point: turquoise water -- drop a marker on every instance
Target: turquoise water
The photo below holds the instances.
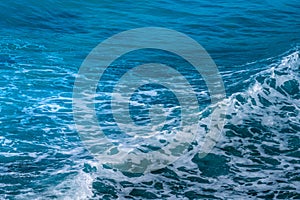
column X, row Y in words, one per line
column 255, row 46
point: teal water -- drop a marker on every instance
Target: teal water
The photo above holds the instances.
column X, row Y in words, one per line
column 255, row 46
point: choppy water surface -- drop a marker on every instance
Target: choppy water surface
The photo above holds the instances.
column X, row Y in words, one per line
column 256, row 47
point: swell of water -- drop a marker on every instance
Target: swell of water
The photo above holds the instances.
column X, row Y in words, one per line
column 259, row 151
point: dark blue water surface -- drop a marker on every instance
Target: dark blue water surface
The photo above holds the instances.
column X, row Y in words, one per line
column 255, row 45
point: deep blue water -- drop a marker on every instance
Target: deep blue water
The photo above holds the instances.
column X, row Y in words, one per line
column 255, row 45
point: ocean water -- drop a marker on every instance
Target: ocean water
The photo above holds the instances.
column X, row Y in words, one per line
column 255, row 45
